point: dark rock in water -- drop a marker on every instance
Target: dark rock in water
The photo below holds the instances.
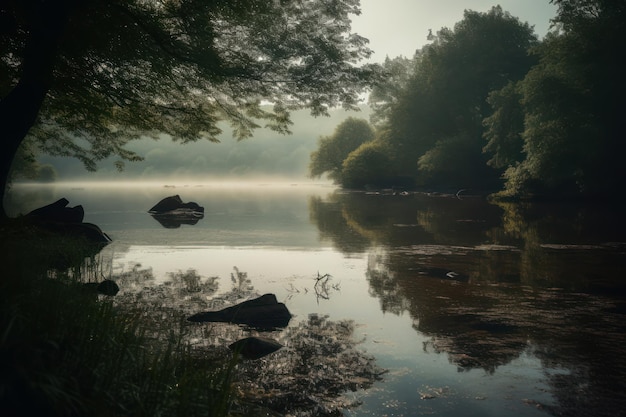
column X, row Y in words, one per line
column 106, row 287
column 264, row 312
column 89, row 231
column 169, row 204
column 176, row 218
column 57, row 212
column 67, row 221
column 255, row 347
column 171, row 212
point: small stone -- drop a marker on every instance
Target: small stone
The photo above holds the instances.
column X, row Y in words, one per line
column 255, row 347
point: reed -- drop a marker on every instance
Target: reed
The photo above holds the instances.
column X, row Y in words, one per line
column 65, row 351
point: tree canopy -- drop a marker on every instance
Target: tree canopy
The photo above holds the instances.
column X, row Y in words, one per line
column 487, row 105
column 385, row 94
column 82, row 78
column 437, row 122
column 334, row 149
column 572, row 104
column 429, row 112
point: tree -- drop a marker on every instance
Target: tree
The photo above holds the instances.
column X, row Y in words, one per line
column 334, row 149
column 573, row 106
column 457, row 162
column 83, row 78
column 385, row 93
column 504, row 127
column 445, row 102
column 369, row 164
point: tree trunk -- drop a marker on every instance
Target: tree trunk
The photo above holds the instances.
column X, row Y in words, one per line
column 20, row 108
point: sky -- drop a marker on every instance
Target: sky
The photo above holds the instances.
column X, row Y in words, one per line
column 399, row 27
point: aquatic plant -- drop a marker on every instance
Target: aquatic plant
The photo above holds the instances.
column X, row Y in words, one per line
column 320, row 362
column 67, row 351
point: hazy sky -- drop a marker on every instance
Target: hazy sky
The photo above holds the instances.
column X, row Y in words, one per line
column 399, row 27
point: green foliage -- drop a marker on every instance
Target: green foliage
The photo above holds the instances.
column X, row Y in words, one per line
column 503, row 128
column 127, row 68
column 445, row 101
column 455, row 162
column 430, row 110
column 385, row 93
column 573, row 107
column 334, row 149
column 46, row 173
column 26, row 166
column 369, row 164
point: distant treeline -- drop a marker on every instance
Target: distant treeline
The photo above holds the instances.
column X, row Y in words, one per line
column 488, row 106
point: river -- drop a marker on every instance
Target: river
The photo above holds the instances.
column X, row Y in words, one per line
column 463, row 307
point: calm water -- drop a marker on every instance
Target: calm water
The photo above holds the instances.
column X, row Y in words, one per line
column 474, row 309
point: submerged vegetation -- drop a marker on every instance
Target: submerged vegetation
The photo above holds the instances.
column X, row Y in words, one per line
column 67, row 351
column 319, row 363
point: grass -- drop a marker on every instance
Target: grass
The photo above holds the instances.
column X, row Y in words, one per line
column 65, row 351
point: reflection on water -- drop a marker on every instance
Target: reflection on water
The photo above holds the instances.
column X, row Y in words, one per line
column 488, row 284
column 473, row 308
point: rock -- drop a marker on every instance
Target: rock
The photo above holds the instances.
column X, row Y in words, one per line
column 89, row 231
column 106, row 287
column 264, row 312
column 57, row 212
column 255, row 347
column 68, row 221
column 171, row 212
column 170, row 204
column 176, row 218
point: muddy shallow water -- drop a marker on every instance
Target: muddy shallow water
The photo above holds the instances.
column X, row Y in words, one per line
column 430, row 305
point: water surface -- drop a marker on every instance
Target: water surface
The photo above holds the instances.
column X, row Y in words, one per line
column 474, row 309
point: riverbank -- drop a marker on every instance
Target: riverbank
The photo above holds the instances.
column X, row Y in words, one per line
column 67, row 351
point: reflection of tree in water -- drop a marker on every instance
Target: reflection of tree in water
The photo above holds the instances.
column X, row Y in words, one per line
column 579, row 338
column 541, row 279
column 569, row 246
column 328, row 217
column 320, row 360
column 441, row 310
column 356, row 221
column 383, row 285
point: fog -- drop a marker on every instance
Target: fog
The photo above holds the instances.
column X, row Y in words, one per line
column 267, row 156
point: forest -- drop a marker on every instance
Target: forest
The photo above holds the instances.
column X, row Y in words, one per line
column 487, row 106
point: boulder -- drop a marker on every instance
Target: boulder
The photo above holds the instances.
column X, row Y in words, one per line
column 88, row 231
column 264, row 312
column 255, row 347
column 175, row 204
column 172, row 212
column 58, row 212
column 106, row 287
column 176, row 218
column 68, row 221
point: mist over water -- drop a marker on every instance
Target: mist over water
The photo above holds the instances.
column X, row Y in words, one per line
column 265, row 156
